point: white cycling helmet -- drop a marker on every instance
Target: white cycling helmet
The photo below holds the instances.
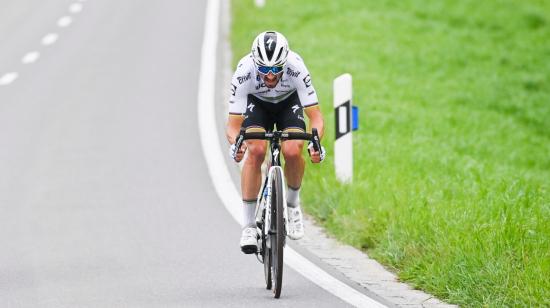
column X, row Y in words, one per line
column 270, row 48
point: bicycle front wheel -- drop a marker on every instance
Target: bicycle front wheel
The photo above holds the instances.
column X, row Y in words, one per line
column 277, row 231
column 266, row 255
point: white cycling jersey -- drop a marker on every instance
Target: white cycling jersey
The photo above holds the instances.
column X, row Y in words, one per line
column 246, row 80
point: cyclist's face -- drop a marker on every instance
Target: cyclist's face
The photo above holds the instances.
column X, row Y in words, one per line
column 271, row 79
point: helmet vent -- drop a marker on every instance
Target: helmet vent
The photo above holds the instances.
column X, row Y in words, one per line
column 279, row 54
column 270, row 42
column 260, row 53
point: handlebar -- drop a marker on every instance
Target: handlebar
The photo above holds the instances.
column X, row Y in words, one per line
column 278, row 135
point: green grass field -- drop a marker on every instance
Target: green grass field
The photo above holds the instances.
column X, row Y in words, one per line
column 452, row 158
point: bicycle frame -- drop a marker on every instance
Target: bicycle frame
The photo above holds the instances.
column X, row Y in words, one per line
column 265, row 192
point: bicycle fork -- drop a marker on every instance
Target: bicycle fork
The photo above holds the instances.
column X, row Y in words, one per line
column 263, row 207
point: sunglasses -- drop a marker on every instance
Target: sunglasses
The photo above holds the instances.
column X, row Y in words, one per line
column 266, row 69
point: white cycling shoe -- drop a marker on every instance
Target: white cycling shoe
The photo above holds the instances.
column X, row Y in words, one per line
column 249, row 240
column 295, row 223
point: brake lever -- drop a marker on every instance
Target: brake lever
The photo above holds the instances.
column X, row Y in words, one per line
column 239, row 141
column 315, row 140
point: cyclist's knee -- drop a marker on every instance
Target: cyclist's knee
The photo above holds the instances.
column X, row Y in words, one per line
column 256, row 150
column 292, row 150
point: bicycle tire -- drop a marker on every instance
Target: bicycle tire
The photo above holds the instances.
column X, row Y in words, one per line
column 266, row 255
column 278, row 234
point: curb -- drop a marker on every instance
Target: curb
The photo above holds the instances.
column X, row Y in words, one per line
column 366, row 272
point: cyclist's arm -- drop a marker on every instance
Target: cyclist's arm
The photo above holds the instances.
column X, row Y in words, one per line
column 233, row 127
column 316, row 119
column 306, row 92
column 240, row 84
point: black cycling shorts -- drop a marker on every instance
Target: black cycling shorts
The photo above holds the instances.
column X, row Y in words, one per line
column 287, row 114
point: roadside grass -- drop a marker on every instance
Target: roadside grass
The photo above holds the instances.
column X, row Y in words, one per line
column 452, row 158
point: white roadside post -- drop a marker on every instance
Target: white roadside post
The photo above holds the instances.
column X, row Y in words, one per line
column 343, row 150
column 260, row 3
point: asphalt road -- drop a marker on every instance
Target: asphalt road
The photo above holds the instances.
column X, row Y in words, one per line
column 104, row 196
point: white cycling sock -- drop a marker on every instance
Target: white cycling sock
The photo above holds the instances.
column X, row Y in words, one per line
column 293, row 197
column 249, row 213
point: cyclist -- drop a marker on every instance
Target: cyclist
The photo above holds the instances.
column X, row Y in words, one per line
column 272, row 86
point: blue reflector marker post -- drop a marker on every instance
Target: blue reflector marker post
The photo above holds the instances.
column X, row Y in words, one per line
column 354, row 118
column 343, row 151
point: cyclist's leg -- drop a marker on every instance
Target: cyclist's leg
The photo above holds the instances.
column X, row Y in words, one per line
column 257, row 118
column 294, row 162
column 251, row 171
column 291, row 118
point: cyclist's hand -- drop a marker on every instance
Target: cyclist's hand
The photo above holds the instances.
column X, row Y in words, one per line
column 316, row 156
column 237, row 155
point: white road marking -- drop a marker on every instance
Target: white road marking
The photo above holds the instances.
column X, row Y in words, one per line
column 49, row 39
column 220, row 174
column 64, row 21
column 30, row 57
column 208, row 134
column 8, row 78
column 75, row 8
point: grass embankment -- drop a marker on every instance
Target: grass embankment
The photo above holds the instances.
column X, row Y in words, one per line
column 452, row 159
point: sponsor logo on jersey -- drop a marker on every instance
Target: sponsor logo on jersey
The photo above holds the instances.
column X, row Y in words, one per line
column 292, row 73
column 295, row 108
column 301, row 118
column 233, row 89
column 244, row 78
column 250, row 107
column 307, row 81
column 283, row 83
column 311, row 93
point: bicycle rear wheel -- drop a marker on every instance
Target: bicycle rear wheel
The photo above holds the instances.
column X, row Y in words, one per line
column 277, row 232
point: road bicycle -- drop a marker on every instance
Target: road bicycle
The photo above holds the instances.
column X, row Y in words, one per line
column 271, row 209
